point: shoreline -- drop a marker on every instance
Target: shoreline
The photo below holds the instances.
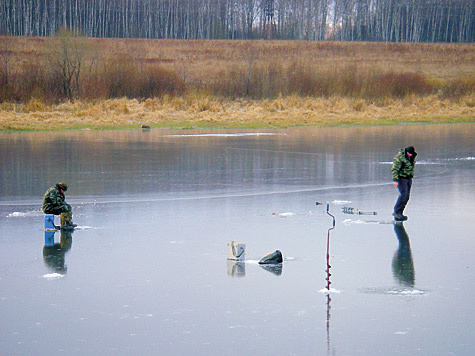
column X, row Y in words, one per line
column 218, row 126
column 217, row 113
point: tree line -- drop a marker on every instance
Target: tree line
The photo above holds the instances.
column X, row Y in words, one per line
column 315, row 20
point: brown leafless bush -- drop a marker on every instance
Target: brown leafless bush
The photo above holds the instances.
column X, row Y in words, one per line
column 242, row 69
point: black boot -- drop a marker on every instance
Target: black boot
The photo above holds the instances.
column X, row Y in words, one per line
column 399, row 217
column 66, row 221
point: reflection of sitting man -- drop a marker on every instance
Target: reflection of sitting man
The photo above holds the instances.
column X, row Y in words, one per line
column 403, row 266
column 54, row 203
column 54, row 254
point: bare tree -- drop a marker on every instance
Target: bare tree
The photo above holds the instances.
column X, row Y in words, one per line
column 69, row 56
column 376, row 20
column 6, row 50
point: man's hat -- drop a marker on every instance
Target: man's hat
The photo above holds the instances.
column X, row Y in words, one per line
column 63, row 186
column 411, row 150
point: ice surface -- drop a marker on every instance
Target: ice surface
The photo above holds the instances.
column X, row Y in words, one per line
column 155, row 214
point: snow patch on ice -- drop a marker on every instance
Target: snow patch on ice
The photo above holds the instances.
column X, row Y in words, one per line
column 252, row 262
column 462, row 159
column 341, row 202
column 406, row 292
column 284, row 215
column 329, row 291
column 417, row 162
column 351, row 222
column 394, row 291
column 436, row 162
column 428, row 163
column 21, row 214
column 53, row 276
column 83, row 227
column 227, row 134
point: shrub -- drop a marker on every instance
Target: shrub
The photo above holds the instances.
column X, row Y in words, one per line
column 400, row 85
column 123, row 77
column 458, row 87
column 155, row 81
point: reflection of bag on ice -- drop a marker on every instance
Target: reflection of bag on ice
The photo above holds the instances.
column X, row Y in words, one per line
column 236, row 268
column 235, row 251
column 272, row 258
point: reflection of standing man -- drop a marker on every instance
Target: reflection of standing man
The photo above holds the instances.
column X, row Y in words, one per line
column 54, row 202
column 402, row 173
column 403, row 265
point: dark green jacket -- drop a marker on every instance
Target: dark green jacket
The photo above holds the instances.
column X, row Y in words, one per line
column 402, row 166
column 53, row 198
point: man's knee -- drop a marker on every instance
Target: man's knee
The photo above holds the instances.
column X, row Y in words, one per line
column 66, row 208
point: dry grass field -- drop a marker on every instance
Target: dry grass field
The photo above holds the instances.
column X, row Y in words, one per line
column 242, row 84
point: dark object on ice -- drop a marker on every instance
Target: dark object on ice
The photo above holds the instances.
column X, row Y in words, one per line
column 54, row 202
column 350, row 210
column 328, row 248
column 402, row 172
column 272, row 258
column 145, row 127
column 317, row 203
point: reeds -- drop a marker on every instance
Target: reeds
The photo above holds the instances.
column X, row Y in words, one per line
column 202, row 110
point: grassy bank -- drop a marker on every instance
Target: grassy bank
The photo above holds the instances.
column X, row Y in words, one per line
column 195, row 111
column 176, row 83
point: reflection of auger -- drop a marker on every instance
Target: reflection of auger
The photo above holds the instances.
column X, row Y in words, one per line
column 328, row 249
column 328, row 278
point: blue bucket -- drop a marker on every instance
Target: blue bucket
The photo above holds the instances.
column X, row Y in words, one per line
column 49, row 238
column 49, row 222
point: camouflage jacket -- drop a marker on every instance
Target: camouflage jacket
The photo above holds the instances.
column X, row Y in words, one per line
column 402, row 166
column 53, row 198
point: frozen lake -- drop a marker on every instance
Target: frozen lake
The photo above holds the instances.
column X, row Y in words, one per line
column 146, row 272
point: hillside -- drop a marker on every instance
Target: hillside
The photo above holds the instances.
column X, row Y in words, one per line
column 125, row 82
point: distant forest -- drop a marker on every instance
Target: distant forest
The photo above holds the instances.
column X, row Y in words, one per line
column 315, row 20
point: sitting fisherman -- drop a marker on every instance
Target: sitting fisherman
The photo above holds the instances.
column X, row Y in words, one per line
column 54, row 203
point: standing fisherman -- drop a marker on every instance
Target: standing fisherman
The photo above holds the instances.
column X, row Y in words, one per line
column 54, row 203
column 402, row 172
